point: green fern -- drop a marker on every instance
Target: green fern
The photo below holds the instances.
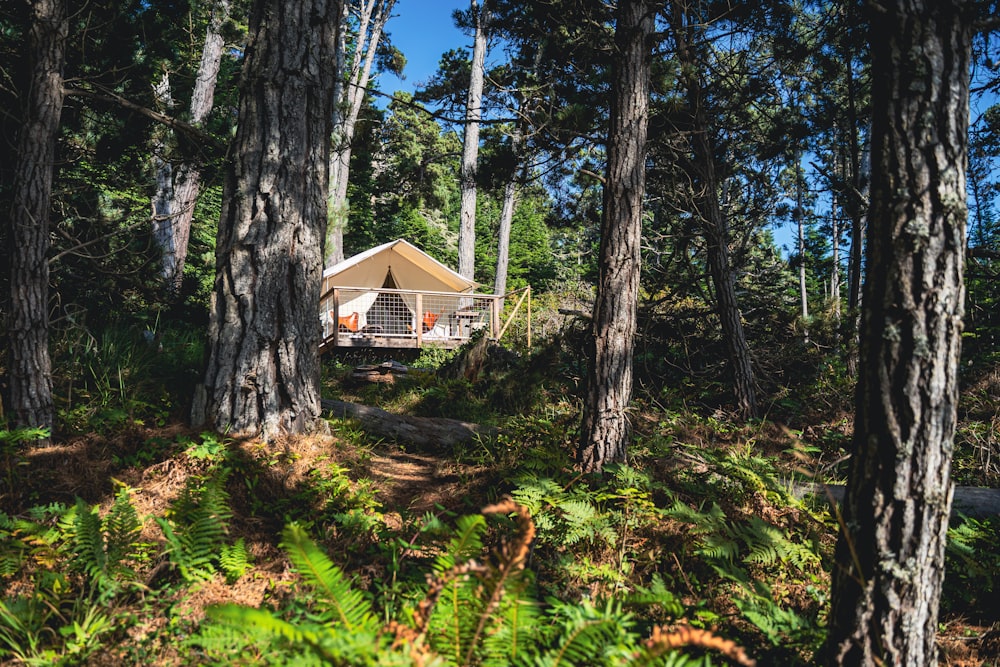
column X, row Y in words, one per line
column 234, row 560
column 759, row 542
column 197, row 525
column 583, row 634
column 121, row 529
column 345, row 605
column 567, row 516
column 465, row 543
column 656, row 595
column 103, row 548
column 973, row 562
column 341, row 627
column 88, row 545
column 478, row 609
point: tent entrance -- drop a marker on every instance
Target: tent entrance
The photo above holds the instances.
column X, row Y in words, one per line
column 389, row 315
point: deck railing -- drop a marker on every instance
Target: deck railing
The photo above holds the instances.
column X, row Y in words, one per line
column 383, row 317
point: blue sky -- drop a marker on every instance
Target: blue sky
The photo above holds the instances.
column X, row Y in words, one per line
column 422, row 30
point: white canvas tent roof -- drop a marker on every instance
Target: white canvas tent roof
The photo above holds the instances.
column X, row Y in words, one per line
column 411, row 267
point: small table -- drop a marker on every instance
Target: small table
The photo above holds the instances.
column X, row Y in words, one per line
column 466, row 318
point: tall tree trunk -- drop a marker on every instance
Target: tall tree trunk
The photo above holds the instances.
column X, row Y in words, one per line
column 163, row 180
column 503, row 234
column 720, row 268
column 889, row 566
column 605, row 431
column 714, row 224
column 264, row 334
column 30, row 365
column 470, row 145
column 373, row 15
column 835, row 260
column 856, row 207
column 507, row 220
column 800, row 225
column 177, row 190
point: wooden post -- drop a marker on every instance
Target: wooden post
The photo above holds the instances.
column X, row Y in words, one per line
column 336, row 317
column 419, row 320
column 529, row 317
column 494, row 317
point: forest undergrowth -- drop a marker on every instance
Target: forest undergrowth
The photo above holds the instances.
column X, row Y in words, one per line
column 132, row 539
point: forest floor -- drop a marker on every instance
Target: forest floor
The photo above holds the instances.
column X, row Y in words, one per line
column 403, row 483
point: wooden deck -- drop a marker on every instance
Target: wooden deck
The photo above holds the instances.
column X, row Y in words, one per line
column 360, row 340
column 394, row 318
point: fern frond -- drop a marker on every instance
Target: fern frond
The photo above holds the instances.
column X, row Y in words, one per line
column 349, row 606
column 657, row 594
column 660, row 642
column 586, row 634
column 88, row 546
column 258, row 623
column 234, row 559
column 465, row 544
column 516, row 635
column 511, row 561
column 121, row 527
column 197, row 526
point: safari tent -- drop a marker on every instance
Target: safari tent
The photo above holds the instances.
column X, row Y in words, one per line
column 396, row 295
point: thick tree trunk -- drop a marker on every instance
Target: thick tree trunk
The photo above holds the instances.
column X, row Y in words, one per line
column 889, row 566
column 163, row 180
column 373, row 15
column 605, row 431
column 263, row 370
column 470, row 146
column 30, row 366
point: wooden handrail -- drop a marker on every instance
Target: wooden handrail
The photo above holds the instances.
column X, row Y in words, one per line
column 526, row 293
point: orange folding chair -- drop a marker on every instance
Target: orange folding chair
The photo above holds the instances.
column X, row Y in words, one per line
column 348, row 322
column 429, row 320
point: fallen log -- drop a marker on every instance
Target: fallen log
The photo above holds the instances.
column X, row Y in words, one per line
column 971, row 501
column 429, row 433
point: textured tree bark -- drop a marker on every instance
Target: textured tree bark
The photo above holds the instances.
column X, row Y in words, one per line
column 470, row 146
column 889, row 562
column 263, row 370
column 30, row 365
column 605, row 430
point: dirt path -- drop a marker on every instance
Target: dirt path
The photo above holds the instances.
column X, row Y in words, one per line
column 419, row 482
